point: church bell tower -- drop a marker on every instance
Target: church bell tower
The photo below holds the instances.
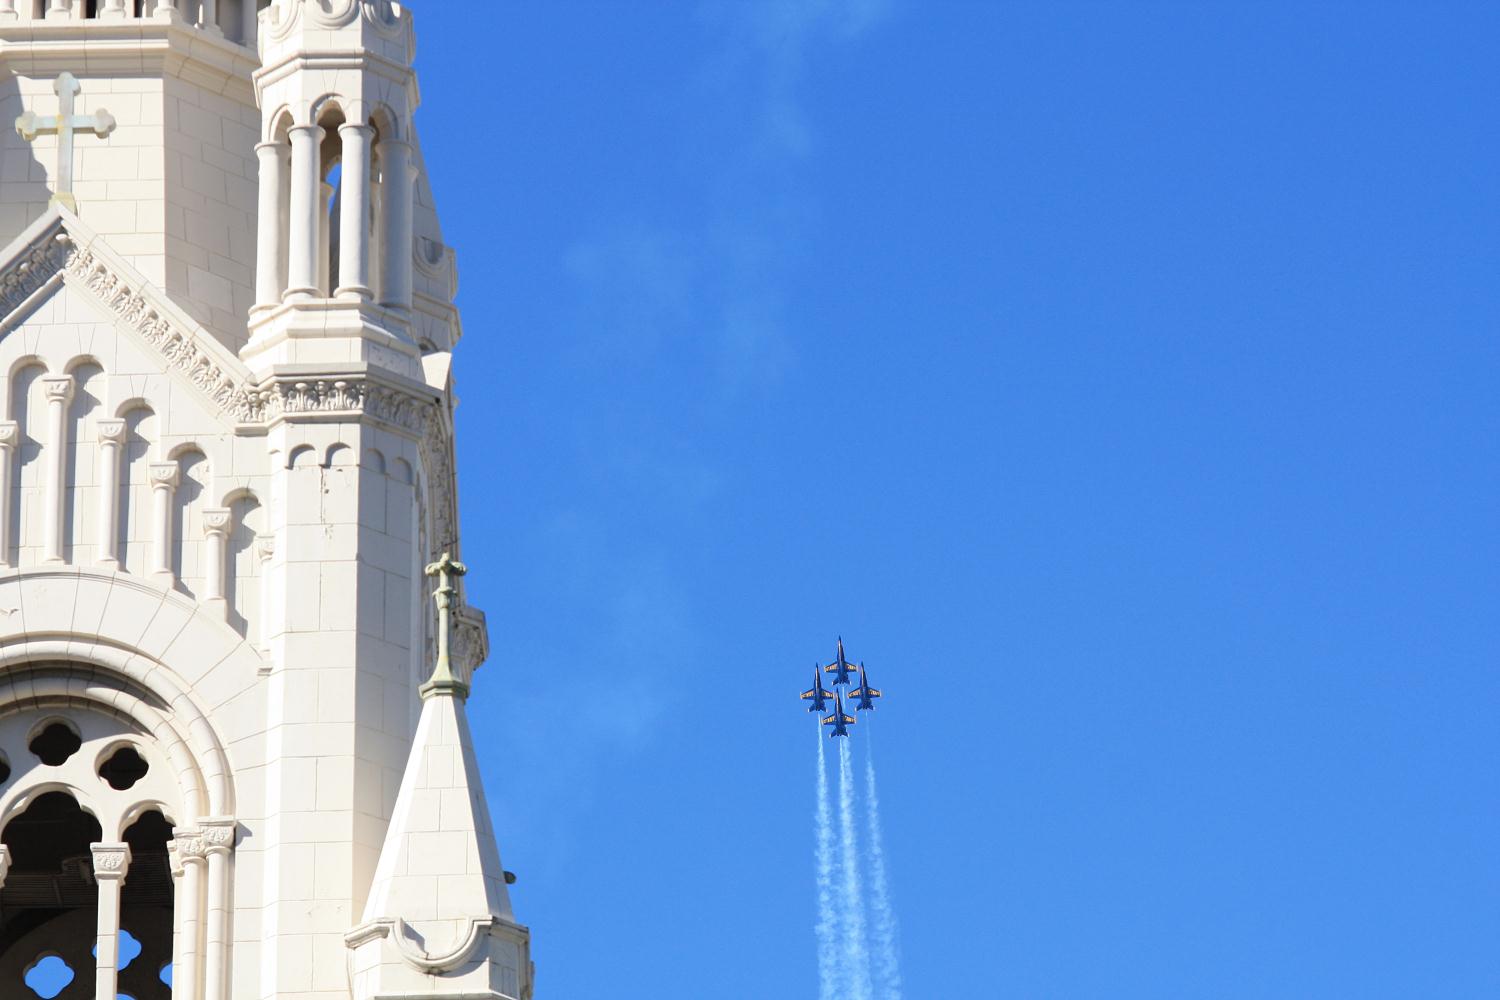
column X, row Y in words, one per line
column 235, row 760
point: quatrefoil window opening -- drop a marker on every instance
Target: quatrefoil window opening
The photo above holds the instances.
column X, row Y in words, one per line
column 123, row 767
column 48, row 976
column 56, row 742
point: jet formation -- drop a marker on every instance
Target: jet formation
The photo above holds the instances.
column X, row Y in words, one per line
column 844, row 674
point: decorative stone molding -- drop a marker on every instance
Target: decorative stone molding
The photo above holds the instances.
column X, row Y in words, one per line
column 180, row 347
column 32, row 270
column 286, row 15
column 356, row 396
column 4, row 864
column 218, row 834
column 10, row 434
column 164, row 475
column 187, row 846
column 111, row 861
column 58, row 388
column 216, row 521
column 110, row 431
column 410, row 947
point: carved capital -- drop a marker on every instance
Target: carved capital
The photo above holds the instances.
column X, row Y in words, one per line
column 216, row 521
column 111, row 862
column 265, row 547
column 110, row 431
column 187, row 846
column 10, row 433
column 164, row 475
column 218, row 834
column 58, row 388
column 4, row 863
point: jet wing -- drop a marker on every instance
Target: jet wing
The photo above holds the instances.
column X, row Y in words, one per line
column 850, row 720
column 863, row 693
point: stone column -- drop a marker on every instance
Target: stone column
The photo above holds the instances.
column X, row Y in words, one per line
column 8, row 10
column 398, row 182
column 268, row 260
column 164, row 476
column 166, row 10
column 113, row 10
column 250, row 34
column 187, row 848
column 111, row 861
column 111, row 440
column 208, row 17
column 302, row 247
column 218, row 842
column 59, row 10
column 216, row 525
column 10, row 437
column 354, row 217
column 58, row 390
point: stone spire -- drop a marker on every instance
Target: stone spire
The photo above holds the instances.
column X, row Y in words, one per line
column 438, row 921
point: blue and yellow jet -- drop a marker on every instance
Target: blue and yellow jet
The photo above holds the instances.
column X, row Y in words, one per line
column 818, row 693
column 840, row 667
column 838, row 720
column 864, row 695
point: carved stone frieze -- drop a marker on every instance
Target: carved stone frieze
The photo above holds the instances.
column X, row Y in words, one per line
column 179, row 347
column 31, row 271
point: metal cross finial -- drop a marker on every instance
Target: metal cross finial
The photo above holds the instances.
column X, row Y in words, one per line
column 30, row 125
column 443, row 680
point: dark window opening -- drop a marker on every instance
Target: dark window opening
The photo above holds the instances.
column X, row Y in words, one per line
column 55, row 744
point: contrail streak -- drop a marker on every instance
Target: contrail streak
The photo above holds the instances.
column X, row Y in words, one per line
column 885, row 932
column 826, row 927
column 857, row 953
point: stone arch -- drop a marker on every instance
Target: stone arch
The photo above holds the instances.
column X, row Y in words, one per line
column 82, row 636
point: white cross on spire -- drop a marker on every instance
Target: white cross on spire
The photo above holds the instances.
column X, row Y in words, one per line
column 64, row 124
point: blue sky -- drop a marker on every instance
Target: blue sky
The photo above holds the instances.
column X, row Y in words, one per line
column 1118, row 379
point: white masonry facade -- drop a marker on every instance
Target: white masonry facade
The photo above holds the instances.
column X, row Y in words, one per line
column 234, row 756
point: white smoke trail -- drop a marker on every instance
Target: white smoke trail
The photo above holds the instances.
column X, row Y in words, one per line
column 826, row 928
column 886, row 931
column 856, row 951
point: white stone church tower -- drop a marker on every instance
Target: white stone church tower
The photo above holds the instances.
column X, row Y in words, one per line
column 233, row 748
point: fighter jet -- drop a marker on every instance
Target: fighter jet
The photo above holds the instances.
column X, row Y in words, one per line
column 840, row 667
column 838, row 720
column 818, row 693
column 864, row 694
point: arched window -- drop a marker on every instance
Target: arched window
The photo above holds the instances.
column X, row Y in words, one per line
column 86, row 803
column 188, row 500
column 80, row 499
column 134, row 531
column 28, row 408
